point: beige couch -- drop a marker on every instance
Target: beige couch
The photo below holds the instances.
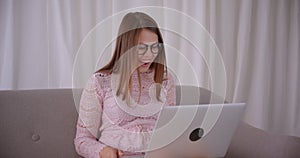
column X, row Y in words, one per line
column 41, row 123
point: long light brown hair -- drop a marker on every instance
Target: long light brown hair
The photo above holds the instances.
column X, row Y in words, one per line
column 128, row 36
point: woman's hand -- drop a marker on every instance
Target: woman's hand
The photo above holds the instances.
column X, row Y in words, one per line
column 109, row 152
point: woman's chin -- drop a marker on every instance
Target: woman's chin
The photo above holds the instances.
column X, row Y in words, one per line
column 143, row 69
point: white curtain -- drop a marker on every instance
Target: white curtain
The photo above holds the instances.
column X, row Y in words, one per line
column 258, row 41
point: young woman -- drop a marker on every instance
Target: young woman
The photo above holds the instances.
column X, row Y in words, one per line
column 118, row 106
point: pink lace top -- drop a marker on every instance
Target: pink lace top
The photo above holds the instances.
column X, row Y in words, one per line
column 103, row 122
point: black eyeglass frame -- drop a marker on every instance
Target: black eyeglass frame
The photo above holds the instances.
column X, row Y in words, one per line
column 159, row 45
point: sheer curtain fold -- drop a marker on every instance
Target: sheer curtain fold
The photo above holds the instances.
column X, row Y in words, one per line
column 267, row 86
column 22, row 49
column 258, row 40
column 6, row 44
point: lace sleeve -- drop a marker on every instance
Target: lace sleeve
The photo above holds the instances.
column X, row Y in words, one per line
column 90, row 113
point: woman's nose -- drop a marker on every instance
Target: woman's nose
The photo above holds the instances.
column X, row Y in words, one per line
column 148, row 53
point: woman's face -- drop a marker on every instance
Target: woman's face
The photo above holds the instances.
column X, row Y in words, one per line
column 148, row 49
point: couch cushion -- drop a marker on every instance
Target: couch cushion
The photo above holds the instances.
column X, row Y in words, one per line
column 249, row 142
column 37, row 123
column 186, row 95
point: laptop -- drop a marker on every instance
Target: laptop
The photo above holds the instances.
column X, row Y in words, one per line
column 194, row 131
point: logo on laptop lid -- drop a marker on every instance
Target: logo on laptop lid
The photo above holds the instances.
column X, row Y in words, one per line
column 196, row 134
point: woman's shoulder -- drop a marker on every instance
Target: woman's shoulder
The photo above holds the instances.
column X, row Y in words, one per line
column 99, row 80
column 102, row 75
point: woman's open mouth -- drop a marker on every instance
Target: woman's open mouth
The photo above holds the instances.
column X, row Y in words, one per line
column 145, row 64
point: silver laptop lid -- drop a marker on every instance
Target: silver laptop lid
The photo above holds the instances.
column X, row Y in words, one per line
column 195, row 130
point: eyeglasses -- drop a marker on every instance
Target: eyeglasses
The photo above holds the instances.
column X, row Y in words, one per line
column 155, row 48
